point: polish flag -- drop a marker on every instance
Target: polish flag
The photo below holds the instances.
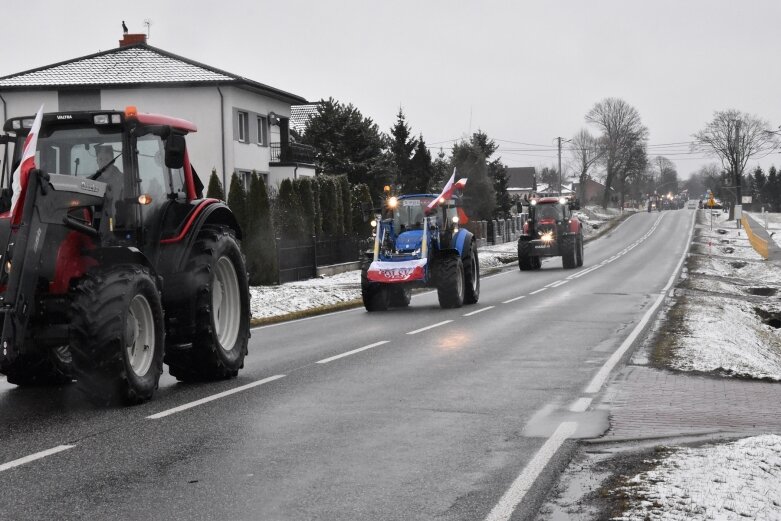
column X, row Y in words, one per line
column 21, row 173
column 447, row 191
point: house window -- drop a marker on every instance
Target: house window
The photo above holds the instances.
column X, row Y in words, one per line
column 243, row 130
column 262, row 131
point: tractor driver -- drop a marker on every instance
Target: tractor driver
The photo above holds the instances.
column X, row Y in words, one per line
column 109, row 173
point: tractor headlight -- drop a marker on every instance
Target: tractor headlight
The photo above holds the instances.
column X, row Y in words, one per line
column 547, row 237
column 534, row 202
column 7, row 266
column 392, row 202
column 563, row 200
column 455, row 219
column 373, row 223
column 100, row 119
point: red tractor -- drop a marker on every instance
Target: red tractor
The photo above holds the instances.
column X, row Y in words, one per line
column 113, row 261
column 550, row 231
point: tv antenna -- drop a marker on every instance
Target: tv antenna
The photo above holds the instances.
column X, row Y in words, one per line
column 148, row 23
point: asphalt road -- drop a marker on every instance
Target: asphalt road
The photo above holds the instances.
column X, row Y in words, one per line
column 435, row 418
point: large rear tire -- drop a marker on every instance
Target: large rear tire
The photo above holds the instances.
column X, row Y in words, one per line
column 117, row 334
column 450, row 282
column 51, row 367
column 580, row 251
column 525, row 261
column 222, row 312
column 375, row 295
column 471, row 275
column 569, row 251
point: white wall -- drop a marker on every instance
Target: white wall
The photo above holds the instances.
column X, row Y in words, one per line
column 279, row 173
column 27, row 103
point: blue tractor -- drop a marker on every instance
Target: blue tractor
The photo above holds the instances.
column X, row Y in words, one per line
column 419, row 242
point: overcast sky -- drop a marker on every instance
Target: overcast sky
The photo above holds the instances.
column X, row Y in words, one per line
column 523, row 72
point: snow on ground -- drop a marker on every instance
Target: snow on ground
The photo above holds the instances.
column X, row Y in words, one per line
column 737, row 480
column 594, row 218
column 722, row 330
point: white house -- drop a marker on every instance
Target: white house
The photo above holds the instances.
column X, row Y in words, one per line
column 242, row 124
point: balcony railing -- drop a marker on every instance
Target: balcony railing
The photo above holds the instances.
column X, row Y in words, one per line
column 292, row 153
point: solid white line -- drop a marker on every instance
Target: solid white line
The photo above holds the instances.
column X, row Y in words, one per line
column 479, row 311
column 33, row 457
column 429, row 327
column 537, row 291
column 348, row 353
column 601, row 377
column 514, row 495
column 514, row 299
column 213, row 397
column 294, row 321
column 580, row 405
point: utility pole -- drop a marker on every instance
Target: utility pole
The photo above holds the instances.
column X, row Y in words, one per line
column 559, row 140
column 739, row 195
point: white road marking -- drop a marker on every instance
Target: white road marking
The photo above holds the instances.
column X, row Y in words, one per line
column 479, row 311
column 514, row 299
column 33, row 457
column 514, row 495
column 348, row 353
column 580, row 405
column 601, row 377
column 432, row 326
column 537, row 291
column 552, row 284
column 213, row 397
column 559, row 283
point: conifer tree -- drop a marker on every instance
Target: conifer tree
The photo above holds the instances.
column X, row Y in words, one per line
column 421, row 169
column 237, row 201
column 362, row 210
column 259, row 245
column 328, row 207
column 291, row 224
column 347, row 205
column 401, row 148
column 303, row 187
column 215, row 187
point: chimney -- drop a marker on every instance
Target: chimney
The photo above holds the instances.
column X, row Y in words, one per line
column 132, row 39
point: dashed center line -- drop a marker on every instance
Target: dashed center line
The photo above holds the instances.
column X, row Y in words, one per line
column 33, row 457
column 213, row 397
column 537, row 291
column 432, row 326
column 558, row 283
column 348, row 353
column 514, row 299
column 580, row 405
column 552, row 284
column 478, row 311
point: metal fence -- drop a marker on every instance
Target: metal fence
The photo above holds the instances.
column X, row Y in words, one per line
column 299, row 259
column 292, row 153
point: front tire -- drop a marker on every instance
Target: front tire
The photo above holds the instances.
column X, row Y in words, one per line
column 117, row 334
column 450, row 282
column 525, row 261
column 580, row 251
column 374, row 295
column 569, row 252
column 471, row 275
column 400, row 296
column 51, row 367
column 221, row 294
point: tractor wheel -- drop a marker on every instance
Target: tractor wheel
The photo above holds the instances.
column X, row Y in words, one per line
column 375, row 295
column 525, row 261
column 399, row 296
column 471, row 275
column 450, row 282
column 222, row 312
column 580, row 251
column 51, row 367
column 569, row 251
column 536, row 263
column 117, row 334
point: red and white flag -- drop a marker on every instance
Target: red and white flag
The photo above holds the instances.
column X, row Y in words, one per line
column 447, row 191
column 449, row 183
column 19, row 184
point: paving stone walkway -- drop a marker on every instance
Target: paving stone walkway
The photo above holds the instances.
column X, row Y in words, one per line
column 650, row 403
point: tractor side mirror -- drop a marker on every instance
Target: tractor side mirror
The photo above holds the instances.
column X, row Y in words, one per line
column 174, row 151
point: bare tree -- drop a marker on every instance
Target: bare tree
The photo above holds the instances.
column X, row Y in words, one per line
column 735, row 137
column 585, row 150
column 666, row 174
column 622, row 130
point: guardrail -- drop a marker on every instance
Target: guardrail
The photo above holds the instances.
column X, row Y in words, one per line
column 759, row 244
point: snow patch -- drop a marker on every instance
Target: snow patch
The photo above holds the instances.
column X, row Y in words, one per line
column 737, row 480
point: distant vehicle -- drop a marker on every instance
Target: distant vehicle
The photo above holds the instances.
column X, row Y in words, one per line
column 551, row 231
column 692, row 204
